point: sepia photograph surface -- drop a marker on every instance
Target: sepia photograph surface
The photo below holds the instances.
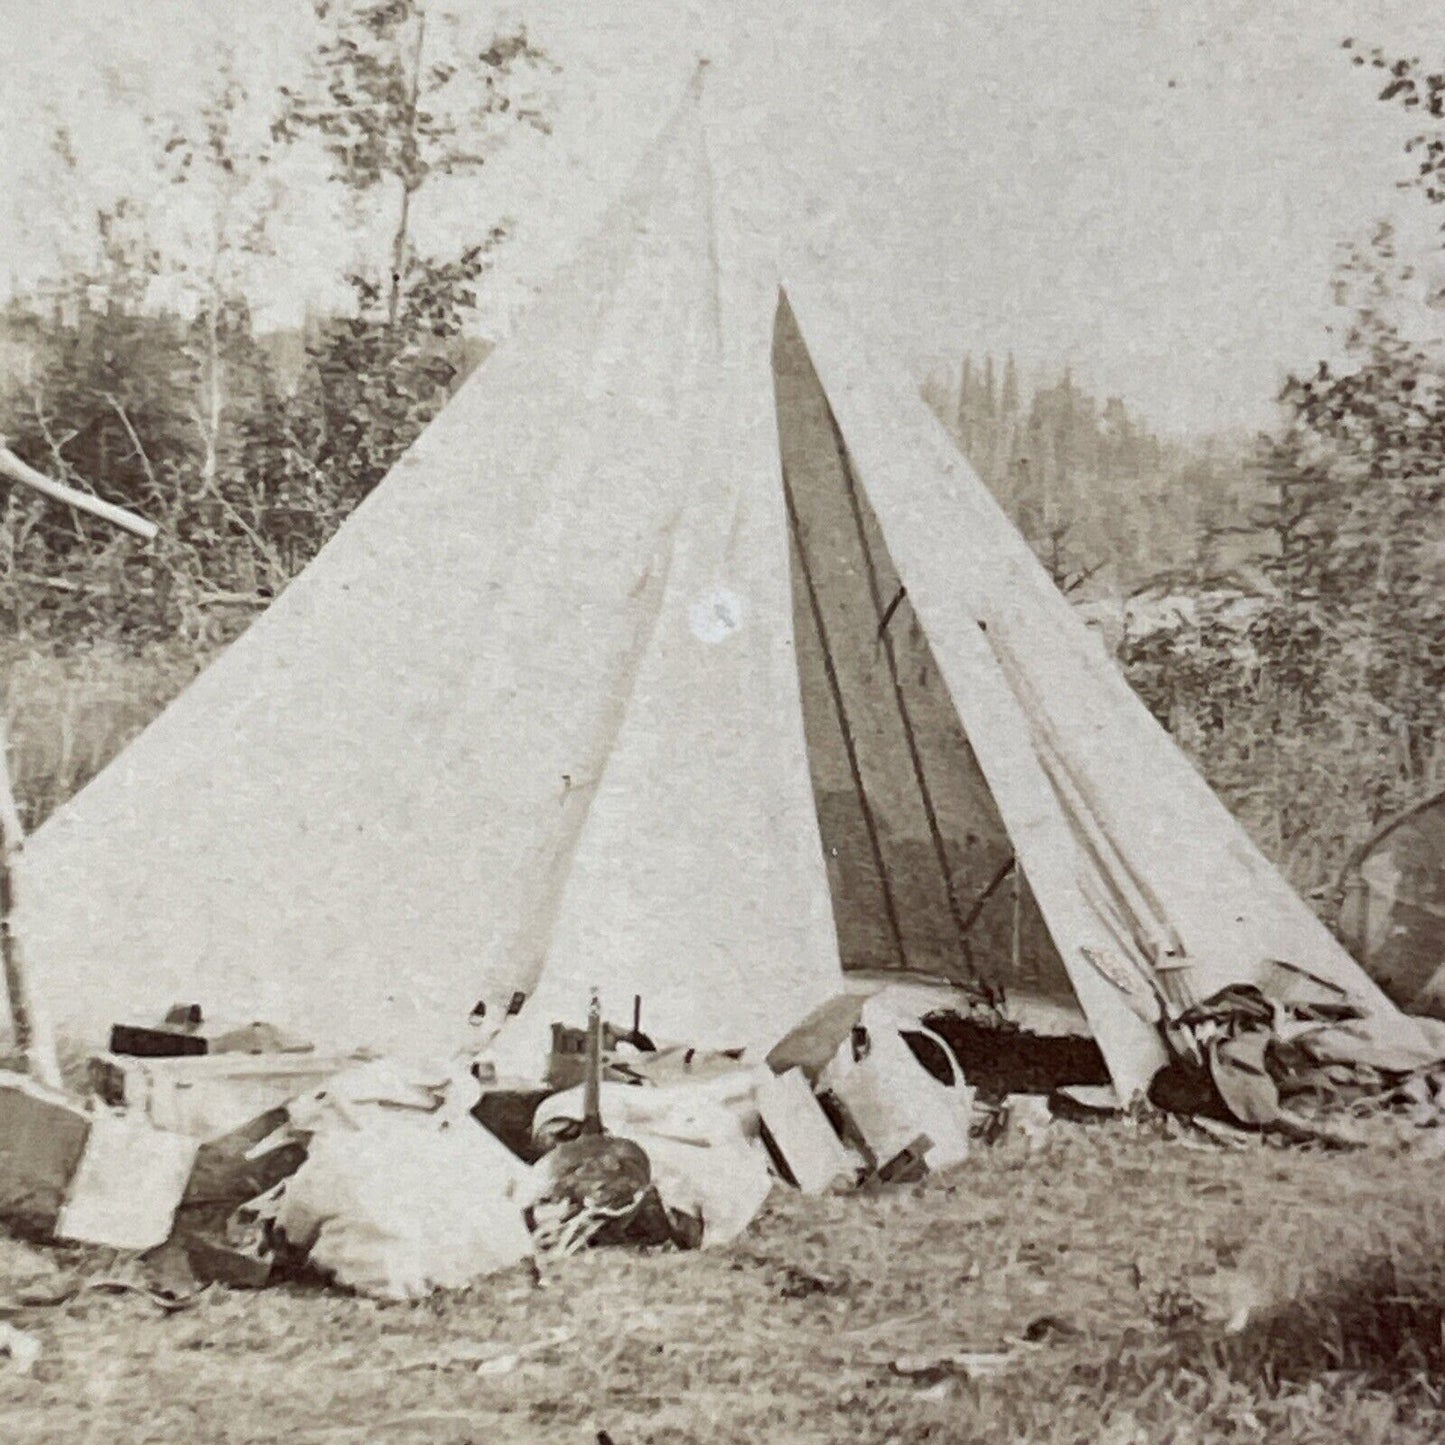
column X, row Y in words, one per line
column 722, row 722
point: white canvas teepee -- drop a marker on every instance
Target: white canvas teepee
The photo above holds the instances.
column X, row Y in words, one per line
column 673, row 662
column 1150, row 894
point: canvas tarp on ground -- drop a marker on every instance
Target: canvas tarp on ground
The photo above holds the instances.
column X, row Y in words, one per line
column 673, row 662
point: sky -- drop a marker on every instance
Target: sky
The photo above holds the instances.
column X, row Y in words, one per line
column 1152, row 192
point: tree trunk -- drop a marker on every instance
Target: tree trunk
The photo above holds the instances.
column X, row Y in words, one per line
column 211, row 430
column 34, row 1036
column 409, row 177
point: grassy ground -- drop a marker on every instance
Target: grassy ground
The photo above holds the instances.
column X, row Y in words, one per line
column 1121, row 1252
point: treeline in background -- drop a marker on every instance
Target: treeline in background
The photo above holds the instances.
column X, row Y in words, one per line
column 1279, row 603
column 1110, row 509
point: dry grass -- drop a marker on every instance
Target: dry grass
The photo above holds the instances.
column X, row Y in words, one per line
column 789, row 1334
column 67, row 716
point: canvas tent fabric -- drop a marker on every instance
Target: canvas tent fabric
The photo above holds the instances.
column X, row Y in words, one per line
column 366, row 816
column 1150, row 890
column 682, row 657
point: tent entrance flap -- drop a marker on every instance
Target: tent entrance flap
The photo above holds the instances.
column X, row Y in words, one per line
column 919, row 861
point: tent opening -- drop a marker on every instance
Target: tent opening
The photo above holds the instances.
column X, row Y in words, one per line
column 920, row 866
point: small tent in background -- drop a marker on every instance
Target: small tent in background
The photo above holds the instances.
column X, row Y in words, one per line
column 1394, row 907
column 682, row 657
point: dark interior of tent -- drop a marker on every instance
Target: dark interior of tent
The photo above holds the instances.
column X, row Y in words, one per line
column 921, row 870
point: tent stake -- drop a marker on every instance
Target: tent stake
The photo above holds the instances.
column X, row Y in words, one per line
column 34, row 1036
column 592, row 1083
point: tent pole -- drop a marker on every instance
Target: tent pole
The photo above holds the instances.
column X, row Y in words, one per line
column 18, row 471
column 835, row 687
column 1002, row 872
column 910, row 736
column 34, row 1036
